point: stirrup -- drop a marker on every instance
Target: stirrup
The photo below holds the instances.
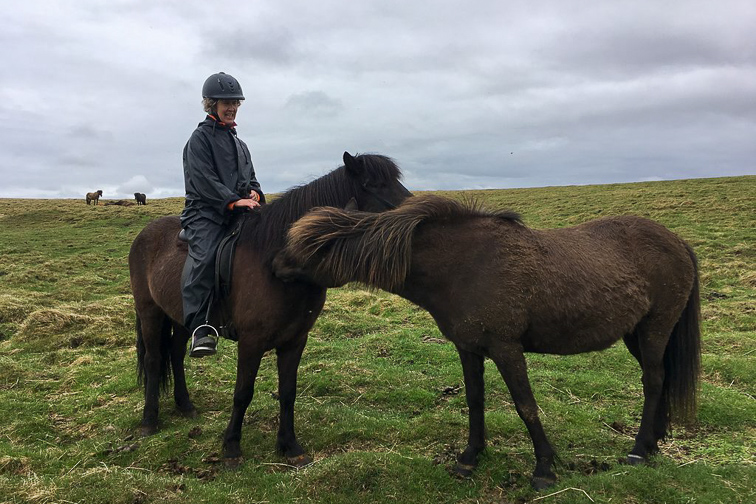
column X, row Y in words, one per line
column 194, row 333
column 208, row 346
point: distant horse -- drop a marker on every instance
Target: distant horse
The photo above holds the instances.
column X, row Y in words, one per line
column 266, row 312
column 94, row 196
column 140, row 198
column 497, row 288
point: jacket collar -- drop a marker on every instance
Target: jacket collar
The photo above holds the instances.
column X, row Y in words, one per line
column 220, row 123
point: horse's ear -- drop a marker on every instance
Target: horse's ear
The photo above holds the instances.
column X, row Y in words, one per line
column 352, row 164
column 352, row 205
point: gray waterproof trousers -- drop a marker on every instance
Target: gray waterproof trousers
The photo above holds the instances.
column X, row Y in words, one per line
column 198, row 277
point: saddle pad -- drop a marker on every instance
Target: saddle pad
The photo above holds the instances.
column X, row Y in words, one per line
column 224, row 260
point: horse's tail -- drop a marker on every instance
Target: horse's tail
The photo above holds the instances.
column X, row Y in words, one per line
column 682, row 357
column 165, row 354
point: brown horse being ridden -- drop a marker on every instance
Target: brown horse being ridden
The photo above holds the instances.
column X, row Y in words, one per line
column 266, row 312
column 94, row 196
column 497, row 289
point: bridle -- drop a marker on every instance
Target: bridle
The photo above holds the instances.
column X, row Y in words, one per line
column 374, row 193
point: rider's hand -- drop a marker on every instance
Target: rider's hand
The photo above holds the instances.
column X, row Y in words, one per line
column 246, row 203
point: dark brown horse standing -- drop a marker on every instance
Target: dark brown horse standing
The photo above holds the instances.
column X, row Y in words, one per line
column 267, row 312
column 497, row 289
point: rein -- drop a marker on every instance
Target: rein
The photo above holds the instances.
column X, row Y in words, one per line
column 374, row 193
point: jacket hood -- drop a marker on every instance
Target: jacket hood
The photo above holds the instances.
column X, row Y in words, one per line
column 214, row 123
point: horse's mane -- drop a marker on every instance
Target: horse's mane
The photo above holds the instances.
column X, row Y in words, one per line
column 375, row 249
column 266, row 228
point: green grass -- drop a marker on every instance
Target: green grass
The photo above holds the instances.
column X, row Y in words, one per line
column 381, row 399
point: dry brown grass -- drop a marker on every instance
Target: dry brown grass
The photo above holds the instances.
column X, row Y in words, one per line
column 75, row 324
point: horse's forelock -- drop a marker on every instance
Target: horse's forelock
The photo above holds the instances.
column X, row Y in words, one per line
column 380, row 168
column 336, row 187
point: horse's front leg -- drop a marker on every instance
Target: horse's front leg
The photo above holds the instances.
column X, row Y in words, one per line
column 510, row 361
column 178, row 352
column 247, row 366
column 472, row 368
column 288, row 364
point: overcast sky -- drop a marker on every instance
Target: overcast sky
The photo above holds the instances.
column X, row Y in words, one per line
column 462, row 94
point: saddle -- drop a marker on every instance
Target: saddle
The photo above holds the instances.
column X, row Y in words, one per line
column 224, row 261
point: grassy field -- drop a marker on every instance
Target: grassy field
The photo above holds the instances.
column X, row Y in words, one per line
column 381, row 400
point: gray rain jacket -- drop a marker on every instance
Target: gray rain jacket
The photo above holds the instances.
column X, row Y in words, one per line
column 217, row 171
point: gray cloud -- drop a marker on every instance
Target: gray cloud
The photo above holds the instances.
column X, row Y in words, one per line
column 505, row 94
column 316, row 103
column 271, row 46
column 137, row 183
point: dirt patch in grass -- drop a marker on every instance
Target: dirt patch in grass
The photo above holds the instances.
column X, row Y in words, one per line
column 176, row 468
column 713, row 311
column 15, row 466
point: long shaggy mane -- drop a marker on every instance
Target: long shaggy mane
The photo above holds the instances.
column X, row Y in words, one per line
column 267, row 226
column 375, row 249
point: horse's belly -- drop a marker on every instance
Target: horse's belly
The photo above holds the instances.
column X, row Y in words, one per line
column 568, row 342
column 596, row 325
column 277, row 314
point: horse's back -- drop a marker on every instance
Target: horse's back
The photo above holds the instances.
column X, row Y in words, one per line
column 156, row 260
column 607, row 275
column 663, row 258
column 153, row 237
column 571, row 289
column 629, row 250
column 652, row 247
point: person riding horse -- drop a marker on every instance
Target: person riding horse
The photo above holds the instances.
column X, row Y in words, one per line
column 218, row 178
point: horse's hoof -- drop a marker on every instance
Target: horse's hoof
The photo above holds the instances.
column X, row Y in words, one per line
column 148, row 430
column 189, row 413
column 634, row 459
column 233, row 463
column 542, row 482
column 232, row 451
column 463, row 470
column 299, row 461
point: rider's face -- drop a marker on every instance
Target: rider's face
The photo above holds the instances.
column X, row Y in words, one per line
column 227, row 110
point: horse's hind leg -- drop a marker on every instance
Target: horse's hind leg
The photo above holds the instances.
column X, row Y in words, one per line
column 648, row 344
column 472, row 368
column 510, row 361
column 178, row 352
column 286, row 442
column 153, row 362
column 660, row 421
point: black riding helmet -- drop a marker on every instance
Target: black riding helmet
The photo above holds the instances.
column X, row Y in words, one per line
column 222, row 86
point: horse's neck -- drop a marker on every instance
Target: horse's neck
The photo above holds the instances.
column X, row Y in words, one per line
column 277, row 216
column 296, row 203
